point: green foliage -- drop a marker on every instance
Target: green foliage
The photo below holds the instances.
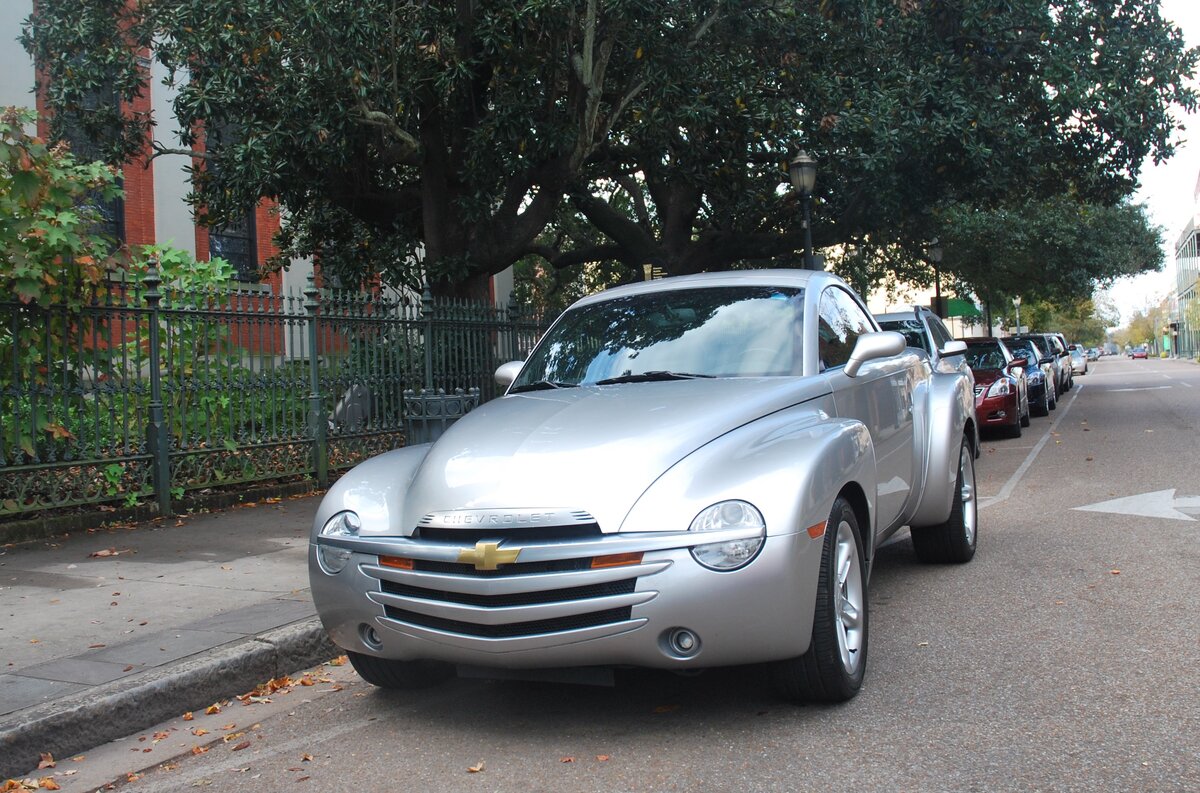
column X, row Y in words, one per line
column 49, row 253
column 1057, row 249
column 452, row 137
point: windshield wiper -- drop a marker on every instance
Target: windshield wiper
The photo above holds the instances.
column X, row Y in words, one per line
column 650, row 377
column 539, row 385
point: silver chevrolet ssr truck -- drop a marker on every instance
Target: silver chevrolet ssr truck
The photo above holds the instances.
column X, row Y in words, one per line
column 685, row 473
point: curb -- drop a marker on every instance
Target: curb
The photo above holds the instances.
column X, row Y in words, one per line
column 73, row 724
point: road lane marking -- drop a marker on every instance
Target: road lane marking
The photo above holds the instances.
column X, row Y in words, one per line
column 1015, row 479
column 1182, row 383
column 1158, row 504
column 1140, row 388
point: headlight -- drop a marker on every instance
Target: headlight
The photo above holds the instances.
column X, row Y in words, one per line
column 735, row 553
column 1035, row 376
column 1000, row 388
column 343, row 524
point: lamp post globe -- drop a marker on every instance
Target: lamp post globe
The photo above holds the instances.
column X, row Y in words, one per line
column 802, row 170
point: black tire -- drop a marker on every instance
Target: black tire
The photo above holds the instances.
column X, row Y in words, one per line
column 1025, row 416
column 1051, row 399
column 1043, row 407
column 389, row 673
column 955, row 540
column 1014, row 430
column 832, row 669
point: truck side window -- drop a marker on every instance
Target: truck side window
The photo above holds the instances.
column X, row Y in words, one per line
column 839, row 325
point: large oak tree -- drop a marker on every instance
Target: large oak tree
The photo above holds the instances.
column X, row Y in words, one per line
column 457, row 136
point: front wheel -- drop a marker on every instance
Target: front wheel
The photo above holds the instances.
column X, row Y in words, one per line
column 390, row 673
column 832, row 670
column 956, row 539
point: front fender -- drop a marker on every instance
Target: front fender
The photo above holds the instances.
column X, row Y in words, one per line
column 791, row 465
column 375, row 490
column 951, row 416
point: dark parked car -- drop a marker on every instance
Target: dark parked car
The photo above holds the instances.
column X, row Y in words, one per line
column 1039, row 374
column 1001, row 388
column 1054, row 346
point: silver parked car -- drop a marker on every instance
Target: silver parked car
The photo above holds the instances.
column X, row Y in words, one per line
column 685, row 473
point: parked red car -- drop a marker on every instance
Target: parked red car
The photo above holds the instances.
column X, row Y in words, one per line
column 1001, row 389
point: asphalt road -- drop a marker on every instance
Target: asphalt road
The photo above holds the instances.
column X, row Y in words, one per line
column 1064, row 657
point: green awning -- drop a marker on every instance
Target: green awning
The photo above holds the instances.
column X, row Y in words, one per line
column 957, row 307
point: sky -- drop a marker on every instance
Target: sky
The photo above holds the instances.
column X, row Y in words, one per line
column 1167, row 190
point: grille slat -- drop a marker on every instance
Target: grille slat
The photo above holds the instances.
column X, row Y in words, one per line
column 516, row 598
column 513, row 629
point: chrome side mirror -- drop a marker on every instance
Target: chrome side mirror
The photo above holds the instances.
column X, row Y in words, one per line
column 871, row 346
column 954, row 348
column 507, row 373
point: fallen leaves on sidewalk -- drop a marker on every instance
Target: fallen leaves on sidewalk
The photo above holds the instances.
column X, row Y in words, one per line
column 47, row 761
column 475, row 769
column 106, row 552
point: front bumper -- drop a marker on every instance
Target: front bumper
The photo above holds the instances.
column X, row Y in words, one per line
column 553, row 609
column 996, row 411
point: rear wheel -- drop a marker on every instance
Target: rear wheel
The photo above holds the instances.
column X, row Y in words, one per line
column 956, row 539
column 832, row 670
column 389, row 673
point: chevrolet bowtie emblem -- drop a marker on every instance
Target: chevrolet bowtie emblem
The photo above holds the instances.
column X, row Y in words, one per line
column 487, row 556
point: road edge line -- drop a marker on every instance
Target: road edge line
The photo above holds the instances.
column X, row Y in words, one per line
column 1015, row 479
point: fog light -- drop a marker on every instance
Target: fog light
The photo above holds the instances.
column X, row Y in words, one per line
column 369, row 637
column 332, row 560
column 682, row 642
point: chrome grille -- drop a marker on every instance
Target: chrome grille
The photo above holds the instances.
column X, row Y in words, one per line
column 518, row 600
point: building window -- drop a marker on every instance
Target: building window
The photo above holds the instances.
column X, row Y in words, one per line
column 83, row 133
column 235, row 243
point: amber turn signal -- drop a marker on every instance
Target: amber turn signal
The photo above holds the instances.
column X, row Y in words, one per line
column 817, row 530
column 398, row 562
column 616, row 560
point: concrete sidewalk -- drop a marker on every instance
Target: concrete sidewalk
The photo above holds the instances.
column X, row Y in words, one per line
column 106, row 632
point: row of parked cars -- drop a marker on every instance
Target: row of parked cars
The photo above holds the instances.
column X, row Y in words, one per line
column 1015, row 377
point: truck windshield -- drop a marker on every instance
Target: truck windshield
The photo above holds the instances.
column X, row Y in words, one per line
column 734, row 331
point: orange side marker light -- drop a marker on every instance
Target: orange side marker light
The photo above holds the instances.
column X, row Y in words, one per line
column 398, row 562
column 817, row 530
column 616, row 560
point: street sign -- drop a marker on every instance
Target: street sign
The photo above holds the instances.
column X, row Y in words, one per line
column 1158, row 504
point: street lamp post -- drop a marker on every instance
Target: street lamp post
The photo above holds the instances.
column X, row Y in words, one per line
column 802, row 170
column 935, row 256
column 1017, row 306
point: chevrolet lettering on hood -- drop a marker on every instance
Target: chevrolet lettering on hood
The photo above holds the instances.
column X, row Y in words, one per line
column 503, row 518
column 684, row 473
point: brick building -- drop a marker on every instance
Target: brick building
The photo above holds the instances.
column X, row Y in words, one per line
column 154, row 209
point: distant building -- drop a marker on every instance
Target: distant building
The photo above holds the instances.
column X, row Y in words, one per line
column 1185, row 318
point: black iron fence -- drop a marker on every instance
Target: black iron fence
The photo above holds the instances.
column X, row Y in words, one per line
column 152, row 392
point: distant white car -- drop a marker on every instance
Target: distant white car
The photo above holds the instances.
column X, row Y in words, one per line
column 1079, row 360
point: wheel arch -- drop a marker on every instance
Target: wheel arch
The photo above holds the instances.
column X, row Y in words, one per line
column 853, row 492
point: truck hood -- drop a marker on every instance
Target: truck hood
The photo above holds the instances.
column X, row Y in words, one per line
column 589, row 448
